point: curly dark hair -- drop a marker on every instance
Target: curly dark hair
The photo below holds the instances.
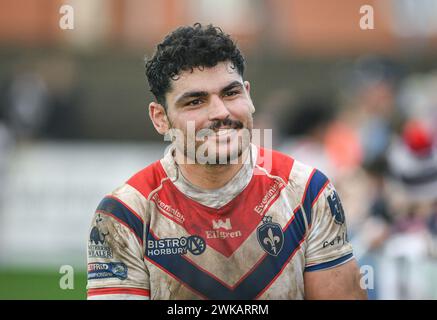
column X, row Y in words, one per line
column 186, row 48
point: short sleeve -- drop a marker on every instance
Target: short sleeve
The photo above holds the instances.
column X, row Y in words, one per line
column 116, row 269
column 327, row 243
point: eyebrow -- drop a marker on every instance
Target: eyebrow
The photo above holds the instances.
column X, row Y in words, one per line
column 232, row 85
column 200, row 94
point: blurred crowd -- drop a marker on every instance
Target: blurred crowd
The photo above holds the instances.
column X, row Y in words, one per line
column 377, row 141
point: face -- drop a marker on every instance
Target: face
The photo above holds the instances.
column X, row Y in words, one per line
column 212, row 109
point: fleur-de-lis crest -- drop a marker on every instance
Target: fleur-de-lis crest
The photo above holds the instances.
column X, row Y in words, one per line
column 272, row 240
column 270, row 236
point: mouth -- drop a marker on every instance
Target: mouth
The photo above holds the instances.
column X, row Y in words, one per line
column 223, row 134
column 225, row 131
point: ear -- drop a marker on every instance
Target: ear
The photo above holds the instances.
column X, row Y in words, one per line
column 247, row 87
column 159, row 117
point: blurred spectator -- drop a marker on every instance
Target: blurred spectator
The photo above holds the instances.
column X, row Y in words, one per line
column 40, row 100
column 60, row 74
column 305, row 131
column 412, row 160
column 370, row 99
column 418, row 99
column 26, row 103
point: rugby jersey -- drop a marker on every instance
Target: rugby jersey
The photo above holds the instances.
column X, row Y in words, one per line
column 159, row 237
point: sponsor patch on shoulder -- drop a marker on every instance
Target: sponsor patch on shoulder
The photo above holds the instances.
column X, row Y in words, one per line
column 336, row 207
column 101, row 270
column 97, row 246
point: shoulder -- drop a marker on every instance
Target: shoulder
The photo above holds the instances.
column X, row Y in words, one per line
column 148, row 179
column 141, row 184
column 274, row 163
column 306, row 182
column 307, row 178
column 288, row 168
column 128, row 203
column 310, row 183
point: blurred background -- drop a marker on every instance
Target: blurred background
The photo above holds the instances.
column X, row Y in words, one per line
column 361, row 105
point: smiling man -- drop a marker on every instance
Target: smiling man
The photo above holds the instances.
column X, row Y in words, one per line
column 217, row 217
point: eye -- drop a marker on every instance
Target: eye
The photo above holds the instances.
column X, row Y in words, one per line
column 232, row 93
column 194, row 102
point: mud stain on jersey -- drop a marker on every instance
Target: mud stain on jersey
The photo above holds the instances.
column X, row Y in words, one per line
column 117, row 236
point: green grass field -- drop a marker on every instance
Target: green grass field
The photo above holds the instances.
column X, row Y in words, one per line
column 39, row 285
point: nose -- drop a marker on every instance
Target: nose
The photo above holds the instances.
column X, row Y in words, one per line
column 218, row 109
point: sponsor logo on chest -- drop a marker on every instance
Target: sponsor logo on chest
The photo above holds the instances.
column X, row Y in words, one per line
column 168, row 209
column 222, row 229
column 176, row 246
column 271, row 193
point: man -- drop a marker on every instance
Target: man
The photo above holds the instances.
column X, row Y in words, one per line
column 217, row 217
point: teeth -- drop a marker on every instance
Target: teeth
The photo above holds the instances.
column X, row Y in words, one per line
column 223, row 131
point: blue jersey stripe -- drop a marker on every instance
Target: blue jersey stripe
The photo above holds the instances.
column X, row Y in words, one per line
column 120, row 211
column 318, row 180
column 252, row 285
column 329, row 264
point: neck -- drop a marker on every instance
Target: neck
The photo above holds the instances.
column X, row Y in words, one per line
column 212, row 176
